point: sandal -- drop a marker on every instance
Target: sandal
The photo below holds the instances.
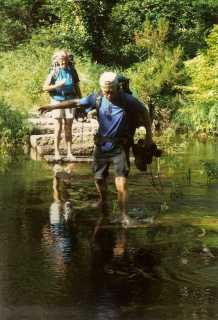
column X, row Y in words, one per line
column 57, row 157
column 71, row 157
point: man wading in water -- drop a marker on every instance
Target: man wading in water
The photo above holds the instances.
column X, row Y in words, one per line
column 117, row 114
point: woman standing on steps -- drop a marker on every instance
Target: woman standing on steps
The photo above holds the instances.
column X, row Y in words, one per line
column 62, row 84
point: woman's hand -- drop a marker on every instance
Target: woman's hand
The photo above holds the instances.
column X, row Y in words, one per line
column 60, row 83
column 50, row 87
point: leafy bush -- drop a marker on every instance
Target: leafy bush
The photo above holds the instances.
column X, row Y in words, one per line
column 200, row 110
column 21, row 75
column 189, row 21
column 157, row 78
column 12, row 124
column 89, row 75
column 20, row 19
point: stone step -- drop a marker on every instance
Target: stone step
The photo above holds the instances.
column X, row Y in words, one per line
column 48, row 140
column 34, row 114
column 41, row 130
column 50, row 158
column 45, row 121
column 64, row 159
column 41, row 140
column 79, row 129
column 82, row 149
column 41, row 121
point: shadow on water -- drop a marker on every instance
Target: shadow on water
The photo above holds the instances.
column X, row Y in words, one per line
column 60, row 259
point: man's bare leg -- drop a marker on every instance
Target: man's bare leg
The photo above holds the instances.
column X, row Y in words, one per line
column 121, row 184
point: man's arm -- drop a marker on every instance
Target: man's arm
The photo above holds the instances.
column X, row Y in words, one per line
column 147, row 125
column 86, row 102
column 72, row 103
column 143, row 118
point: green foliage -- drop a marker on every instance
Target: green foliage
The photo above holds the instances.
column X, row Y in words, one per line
column 5, row 158
column 149, row 39
column 211, row 170
column 105, row 30
column 19, row 20
column 12, row 125
column 200, row 110
column 156, row 79
column 22, row 73
column 89, row 75
column 212, row 41
column 189, row 21
column 157, row 75
column 68, row 30
column 153, row 37
column 82, row 26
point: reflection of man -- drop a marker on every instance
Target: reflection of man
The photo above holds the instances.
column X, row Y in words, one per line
column 120, row 244
column 110, row 250
column 117, row 112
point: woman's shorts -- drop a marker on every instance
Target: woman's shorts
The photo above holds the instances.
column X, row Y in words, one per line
column 68, row 113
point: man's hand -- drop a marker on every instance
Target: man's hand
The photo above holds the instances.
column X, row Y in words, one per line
column 148, row 141
column 44, row 109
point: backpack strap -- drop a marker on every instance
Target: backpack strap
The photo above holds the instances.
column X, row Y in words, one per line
column 98, row 101
column 55, row 72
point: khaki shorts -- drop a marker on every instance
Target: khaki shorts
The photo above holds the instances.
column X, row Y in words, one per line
column 68, row 113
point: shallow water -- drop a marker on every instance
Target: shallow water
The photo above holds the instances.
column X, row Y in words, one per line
column 58, row 261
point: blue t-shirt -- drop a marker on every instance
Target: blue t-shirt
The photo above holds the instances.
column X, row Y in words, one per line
column 116, row 119
column 67, row 91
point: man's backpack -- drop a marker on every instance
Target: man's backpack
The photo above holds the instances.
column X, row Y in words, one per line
column 124, row 84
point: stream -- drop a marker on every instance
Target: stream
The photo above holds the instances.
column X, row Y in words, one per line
column 58, row 260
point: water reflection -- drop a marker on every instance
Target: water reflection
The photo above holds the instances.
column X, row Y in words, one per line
column 57, row 254
column 109, row 241
column 58, row 234
column 62, row 207
column 154, row 272
column 166, row 253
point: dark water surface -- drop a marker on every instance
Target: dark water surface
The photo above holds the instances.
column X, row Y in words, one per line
column 58, row 262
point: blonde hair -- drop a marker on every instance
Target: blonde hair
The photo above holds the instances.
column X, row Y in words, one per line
column 59, row 54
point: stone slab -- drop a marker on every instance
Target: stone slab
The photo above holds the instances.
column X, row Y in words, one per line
column 64, row 159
